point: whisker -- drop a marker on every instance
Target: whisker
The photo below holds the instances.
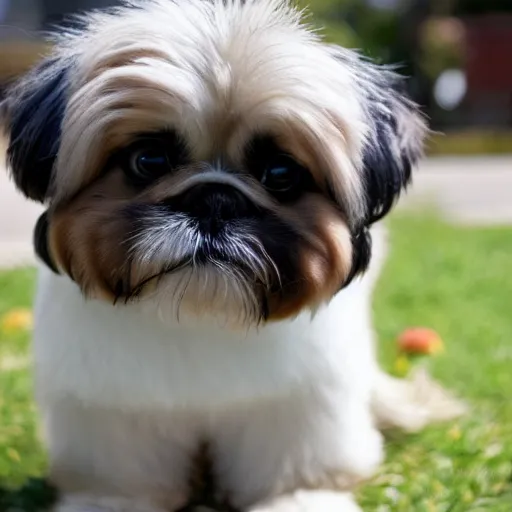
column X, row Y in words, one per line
column 182, row 294
column 136, row 290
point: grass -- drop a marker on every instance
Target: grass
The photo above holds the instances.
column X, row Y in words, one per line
column 20, row 453
column 456, row 280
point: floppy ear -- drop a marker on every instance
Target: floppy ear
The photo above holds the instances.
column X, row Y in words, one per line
column 33, row 111
column 394, row 145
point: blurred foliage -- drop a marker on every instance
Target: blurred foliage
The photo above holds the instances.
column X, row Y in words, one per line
column 443, row 45
column 357, row 24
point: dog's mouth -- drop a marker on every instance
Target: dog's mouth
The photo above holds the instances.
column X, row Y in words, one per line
column 232, row 251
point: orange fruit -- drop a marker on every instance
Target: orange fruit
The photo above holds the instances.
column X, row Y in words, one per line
column 420, row 340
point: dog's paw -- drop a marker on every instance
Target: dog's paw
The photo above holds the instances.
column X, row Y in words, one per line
column 103, row 504
column 310, row 501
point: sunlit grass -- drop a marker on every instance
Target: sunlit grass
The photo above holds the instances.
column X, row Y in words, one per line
column 459, row 282
column 20, row 453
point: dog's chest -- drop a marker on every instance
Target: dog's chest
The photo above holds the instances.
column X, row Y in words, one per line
column 119, row 357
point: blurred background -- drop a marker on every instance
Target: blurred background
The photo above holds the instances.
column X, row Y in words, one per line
column 456, row 52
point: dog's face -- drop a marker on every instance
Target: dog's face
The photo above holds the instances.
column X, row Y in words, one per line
column 211, row 155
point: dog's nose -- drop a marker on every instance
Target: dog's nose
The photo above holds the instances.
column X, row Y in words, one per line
column 215, row 204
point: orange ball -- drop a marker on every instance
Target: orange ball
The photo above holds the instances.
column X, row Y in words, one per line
column 421, row 341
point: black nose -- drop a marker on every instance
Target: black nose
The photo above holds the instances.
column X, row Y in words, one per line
column 214, row 204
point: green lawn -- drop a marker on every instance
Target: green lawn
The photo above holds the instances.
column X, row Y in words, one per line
column 20, row 454
column 456, row 280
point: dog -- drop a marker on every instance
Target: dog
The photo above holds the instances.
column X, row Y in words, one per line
column 214, row 173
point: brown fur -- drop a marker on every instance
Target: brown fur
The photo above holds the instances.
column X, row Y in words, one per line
column 325, row 260
column 87, row 236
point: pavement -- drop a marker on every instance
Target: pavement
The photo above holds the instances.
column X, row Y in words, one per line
column 17, row 219
column 466, row 190
column 474, row 190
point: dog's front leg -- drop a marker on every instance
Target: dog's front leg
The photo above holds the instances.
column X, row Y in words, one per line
column 103, row 460
column 305, row 442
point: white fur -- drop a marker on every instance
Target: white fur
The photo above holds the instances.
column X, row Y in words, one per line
column 311, row 501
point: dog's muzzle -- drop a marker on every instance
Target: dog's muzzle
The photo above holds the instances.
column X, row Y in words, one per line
column 213, row 206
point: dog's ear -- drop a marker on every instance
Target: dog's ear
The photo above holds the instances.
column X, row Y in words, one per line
column 32, row 116
column 394, row 144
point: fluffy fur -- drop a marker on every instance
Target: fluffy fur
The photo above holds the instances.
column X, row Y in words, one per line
column 211, row 170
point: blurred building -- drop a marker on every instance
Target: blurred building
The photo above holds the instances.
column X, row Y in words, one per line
column 489, row 70
column 462, row 58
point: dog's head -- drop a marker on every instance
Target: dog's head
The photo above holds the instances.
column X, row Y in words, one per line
column 217, row 155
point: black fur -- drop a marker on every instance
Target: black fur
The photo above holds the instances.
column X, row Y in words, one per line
column 263, row 153
column 214, row 204
column 387, row 161
column 361, row 254
column 41, row 242
column 35, row 109
column 387, row 164
column 386, row 173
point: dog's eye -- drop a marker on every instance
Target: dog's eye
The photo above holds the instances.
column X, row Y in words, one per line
column 148, row 163
column 152, row 157
column 283, row 178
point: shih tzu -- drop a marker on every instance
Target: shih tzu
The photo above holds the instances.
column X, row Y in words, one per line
column 211, row 170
